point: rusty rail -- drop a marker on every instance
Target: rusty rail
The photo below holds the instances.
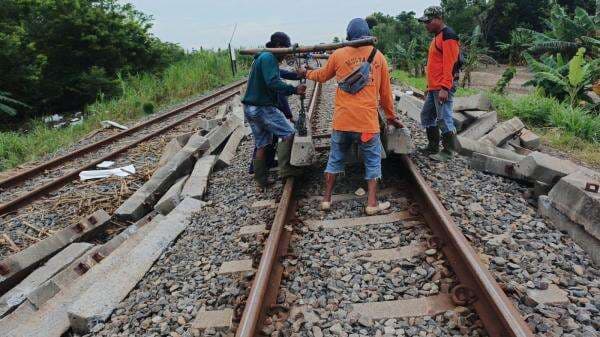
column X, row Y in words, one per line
column 21, row 176
column 60, row 181
column 499, row 316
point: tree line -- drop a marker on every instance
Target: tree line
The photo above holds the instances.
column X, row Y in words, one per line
column 59, row 55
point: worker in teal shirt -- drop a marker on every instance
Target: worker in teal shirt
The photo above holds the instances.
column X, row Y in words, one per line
column 261, row 112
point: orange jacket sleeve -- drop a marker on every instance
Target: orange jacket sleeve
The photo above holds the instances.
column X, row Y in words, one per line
column 386, row 97
column 323, row 74
column 450, row 50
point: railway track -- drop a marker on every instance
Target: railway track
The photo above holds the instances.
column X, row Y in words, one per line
column 27, row 185
column 443, row 269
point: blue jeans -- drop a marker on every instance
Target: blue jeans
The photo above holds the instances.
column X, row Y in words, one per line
column 370, row 151
column 265, row 122
column 435, row 113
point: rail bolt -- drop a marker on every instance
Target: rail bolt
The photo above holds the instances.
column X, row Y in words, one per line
column 92, row 220
column 78, row 228
column 82, row 268
column 414, row 209
column 4, row 270
column 434, row 242
column 463, row 295
column 97, row 256
column 591, row 187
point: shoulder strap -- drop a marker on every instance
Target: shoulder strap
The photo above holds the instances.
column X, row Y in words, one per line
column 372, row 55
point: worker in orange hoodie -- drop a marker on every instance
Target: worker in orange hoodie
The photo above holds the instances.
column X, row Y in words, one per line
column 356, row 118
column 443, row 65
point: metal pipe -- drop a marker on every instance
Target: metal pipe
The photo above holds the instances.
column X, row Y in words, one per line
column 249, row 321
column 499, row 316
column 312, row 49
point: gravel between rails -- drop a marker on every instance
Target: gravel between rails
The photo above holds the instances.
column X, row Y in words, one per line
column 66, row 205
column 521, row 249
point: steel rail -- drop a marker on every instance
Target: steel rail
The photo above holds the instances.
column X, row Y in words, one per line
column 21, row 176
column 311, row 49
column 32, row 195
column 499, row 316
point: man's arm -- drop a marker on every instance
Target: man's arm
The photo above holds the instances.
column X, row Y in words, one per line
column 385, row 91
column 270, row 71
column 289, row 75
column 450, row 50
column 323, row 74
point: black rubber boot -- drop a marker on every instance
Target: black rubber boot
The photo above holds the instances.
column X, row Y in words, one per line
column 284, row 153
column 448, row 142
column 433, row 136
column 261, row 173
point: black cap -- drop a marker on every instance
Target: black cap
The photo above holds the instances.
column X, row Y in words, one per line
column 279, row 39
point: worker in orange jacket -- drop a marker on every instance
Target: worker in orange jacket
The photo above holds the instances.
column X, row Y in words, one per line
column 356, row 119
column 443, row 66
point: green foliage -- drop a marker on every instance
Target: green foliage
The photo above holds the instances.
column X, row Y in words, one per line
column 566, row 34
column 399, row 30
column 420, row 83
column 6, row 104
column 475, row 54
column 542, row 111
column 519, row 43
column 196, row 73
column 464, row 15
column 507, row 76
column 148, row 108
column 58, row 55
column 561, row 80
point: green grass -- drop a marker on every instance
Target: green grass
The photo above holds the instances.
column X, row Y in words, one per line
column 197, row 73
column 421, row 83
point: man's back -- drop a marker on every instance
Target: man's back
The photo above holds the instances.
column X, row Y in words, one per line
column 358, row 112
column 442, row 60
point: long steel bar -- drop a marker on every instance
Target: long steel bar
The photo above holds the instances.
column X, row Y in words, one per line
column 15, row 179
column 252, row 312
column 312, row 49
column 499, row 316
column 28, row 197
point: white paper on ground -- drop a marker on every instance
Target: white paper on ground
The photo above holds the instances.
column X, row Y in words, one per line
column 106, row 164
column 98, row 174
column 108, row 124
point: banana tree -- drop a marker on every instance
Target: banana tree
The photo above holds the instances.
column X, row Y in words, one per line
column 7, row 103
column 475, row 54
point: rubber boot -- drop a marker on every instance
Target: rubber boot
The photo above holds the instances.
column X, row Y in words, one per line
column 284, row 153
column 433, row 136
column 448, row 142
column 261, row 173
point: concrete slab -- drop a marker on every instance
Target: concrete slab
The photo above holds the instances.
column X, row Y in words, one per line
column 545, row 168
column 493, row 165
column 169, row 151
column 218, row 135
column 218, row 320
column 303, row 151
column 481, row 126
column 122, row 270
column 552, row 296
column 467, row 147
column 18, row 294
column 503, row 132
column 391, row 254
column 50, row 319
column 17, row 266
column 425, row 306
column 356, row 222
column 255, row 229
column 460, row 120
column 79, row 267
column 570, row 197
column 475, row 114
column 234, row 267
column 197, row 184
column 410, row 105
column 209, row 124
column 515, row 143
column 144, row 199
column 171, row 198
column 530, row 140
column 558, row 220
column 399, row 140
column 474, row 102
column 540, row 188
column 230, row 149
column 183, row 138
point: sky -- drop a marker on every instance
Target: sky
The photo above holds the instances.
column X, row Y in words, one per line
column 209, row 24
